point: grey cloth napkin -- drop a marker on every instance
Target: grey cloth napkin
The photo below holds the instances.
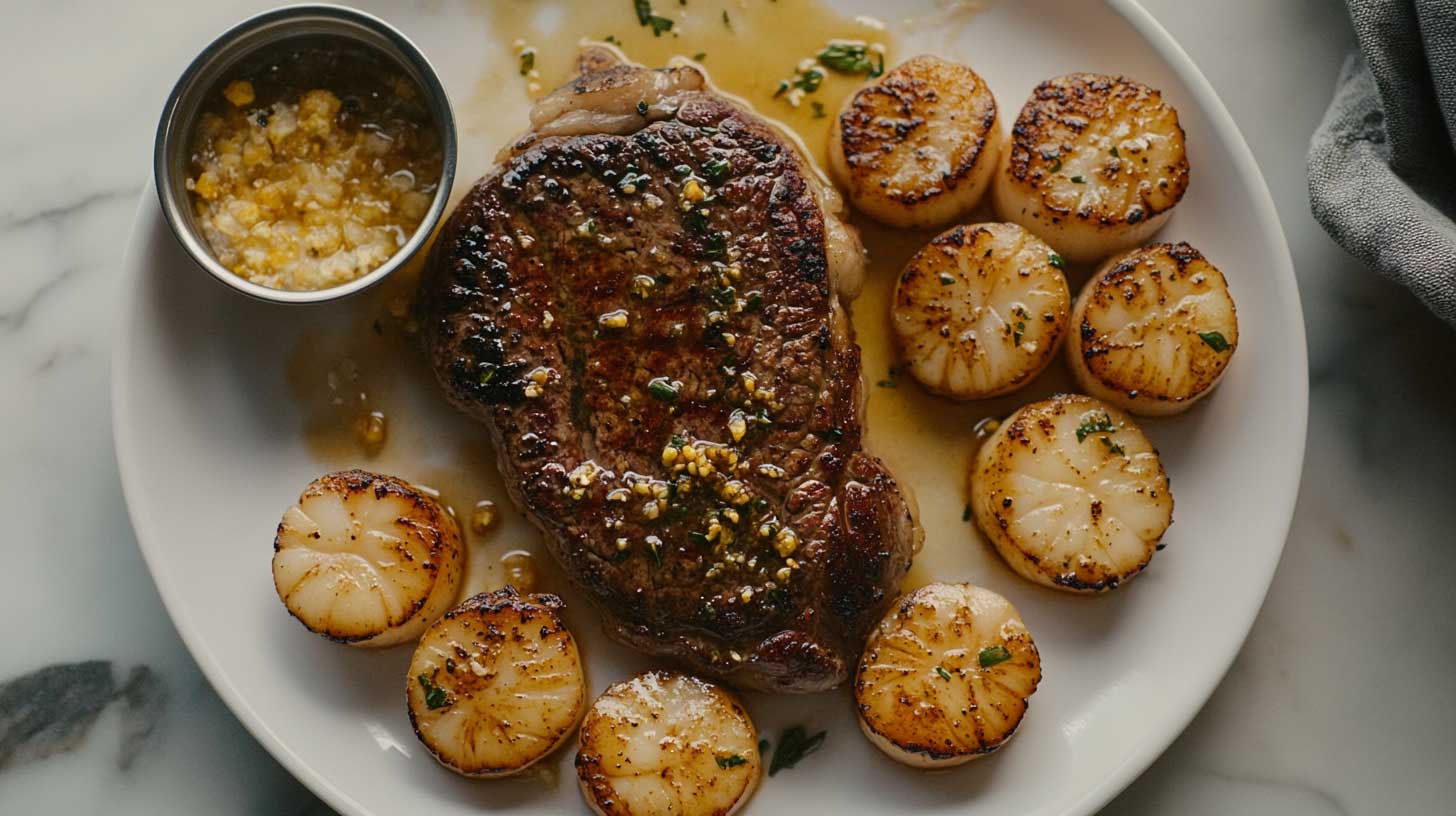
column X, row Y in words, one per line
column 1382, row 169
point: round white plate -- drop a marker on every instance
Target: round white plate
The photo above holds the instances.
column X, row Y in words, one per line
column 210, row 450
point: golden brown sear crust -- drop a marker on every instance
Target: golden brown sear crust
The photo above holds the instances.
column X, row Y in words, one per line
column 1096, row 127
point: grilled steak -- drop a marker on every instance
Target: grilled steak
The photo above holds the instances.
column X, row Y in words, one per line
column 643, row 302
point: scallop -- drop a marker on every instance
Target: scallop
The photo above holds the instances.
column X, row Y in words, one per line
column 1095, row 166
column 1155, row 330
column 946, row 676
column 918, row 148
column 1072, row 494
column 367, row 559
column 496, row 684
column 663, row 743
column 980, row 310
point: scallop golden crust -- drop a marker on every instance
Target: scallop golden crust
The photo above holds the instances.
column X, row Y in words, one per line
column 980, row 310
column 946, row 676
column 1095, row 166
column 1155, row 329
column 667, row 743
column 496, row 684
column 918, row 148
column 1072, row 494
column 366, row 559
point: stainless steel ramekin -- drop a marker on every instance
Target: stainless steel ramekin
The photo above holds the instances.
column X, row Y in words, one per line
column 281, row 29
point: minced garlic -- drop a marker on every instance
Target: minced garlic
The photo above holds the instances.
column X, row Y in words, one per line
column 307, row 193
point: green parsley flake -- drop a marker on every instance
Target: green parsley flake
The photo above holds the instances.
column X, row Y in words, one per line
column 1056, row 260
column 991, row 655
column 944, row 675
column 660, row 388
column 852, row 57
column 435, row 697
column 818, row 109
column 528, row 61
column 1078, row 180
column 730, row 761
column 647, row 18
column 946, row 279
column 1102, row 424
column 1215, row 341
column 794, row 744
column 717, row 170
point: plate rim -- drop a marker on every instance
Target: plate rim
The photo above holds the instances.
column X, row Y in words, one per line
column 1123, row 774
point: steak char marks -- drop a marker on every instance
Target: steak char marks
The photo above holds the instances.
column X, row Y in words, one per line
column 642, row 302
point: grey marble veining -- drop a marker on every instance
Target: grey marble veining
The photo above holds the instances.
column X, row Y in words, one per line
column 1335, row 706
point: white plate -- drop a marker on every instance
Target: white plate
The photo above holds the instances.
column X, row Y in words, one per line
column 210, row 453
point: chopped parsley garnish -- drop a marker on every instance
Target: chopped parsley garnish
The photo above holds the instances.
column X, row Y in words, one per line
column 1102, row 424
column 700, row 56
column 944, row 675
column 850, row 57
column 1215, row 341
column 1114, row 152
column 818, row 109
column 835, row 433
column 716, row 246
column 1078, row 180
column 528, row 61
column 991, row 655
column 698, row 538
column 435, row 697
column 726, row 22
column 642, row 107
column 966, row 513
column 1057, row 164
column 946, row 279
column 723, row 296
column 612, row 38
column 1016, row 335
column 753, row 302
column 763, row 746
column 660, row 388
column 647, row 18
column 730, row 761
column 1134, row 215
column 1056, row 260
column 697, row 220
column 794, row 744
column 810, row 80
column 1112, row 447
column 717, row 170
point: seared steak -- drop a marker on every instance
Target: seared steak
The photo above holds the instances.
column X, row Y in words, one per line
column 643, row 302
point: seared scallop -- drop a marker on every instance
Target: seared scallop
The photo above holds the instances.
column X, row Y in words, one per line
column 1072, row 494
column 664, row 743
column 367, row 560
column 1095, row 165
column 1154, row 330
column 918, row 148
column 946, row 676
column 979, row 311
column 496, row 684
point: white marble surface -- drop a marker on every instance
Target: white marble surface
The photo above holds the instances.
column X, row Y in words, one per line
column 1337, row 705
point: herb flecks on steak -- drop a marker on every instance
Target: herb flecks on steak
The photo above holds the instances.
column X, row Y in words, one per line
column 643, row 303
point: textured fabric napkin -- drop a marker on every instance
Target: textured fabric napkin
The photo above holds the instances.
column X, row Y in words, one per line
column 1382, row 169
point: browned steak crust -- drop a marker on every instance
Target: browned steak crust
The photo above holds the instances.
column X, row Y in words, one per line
column 674, row 388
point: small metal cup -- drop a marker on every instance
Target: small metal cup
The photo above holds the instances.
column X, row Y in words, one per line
column 283, row 29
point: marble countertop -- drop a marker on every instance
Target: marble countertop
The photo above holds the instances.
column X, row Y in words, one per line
column 1335, row 706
